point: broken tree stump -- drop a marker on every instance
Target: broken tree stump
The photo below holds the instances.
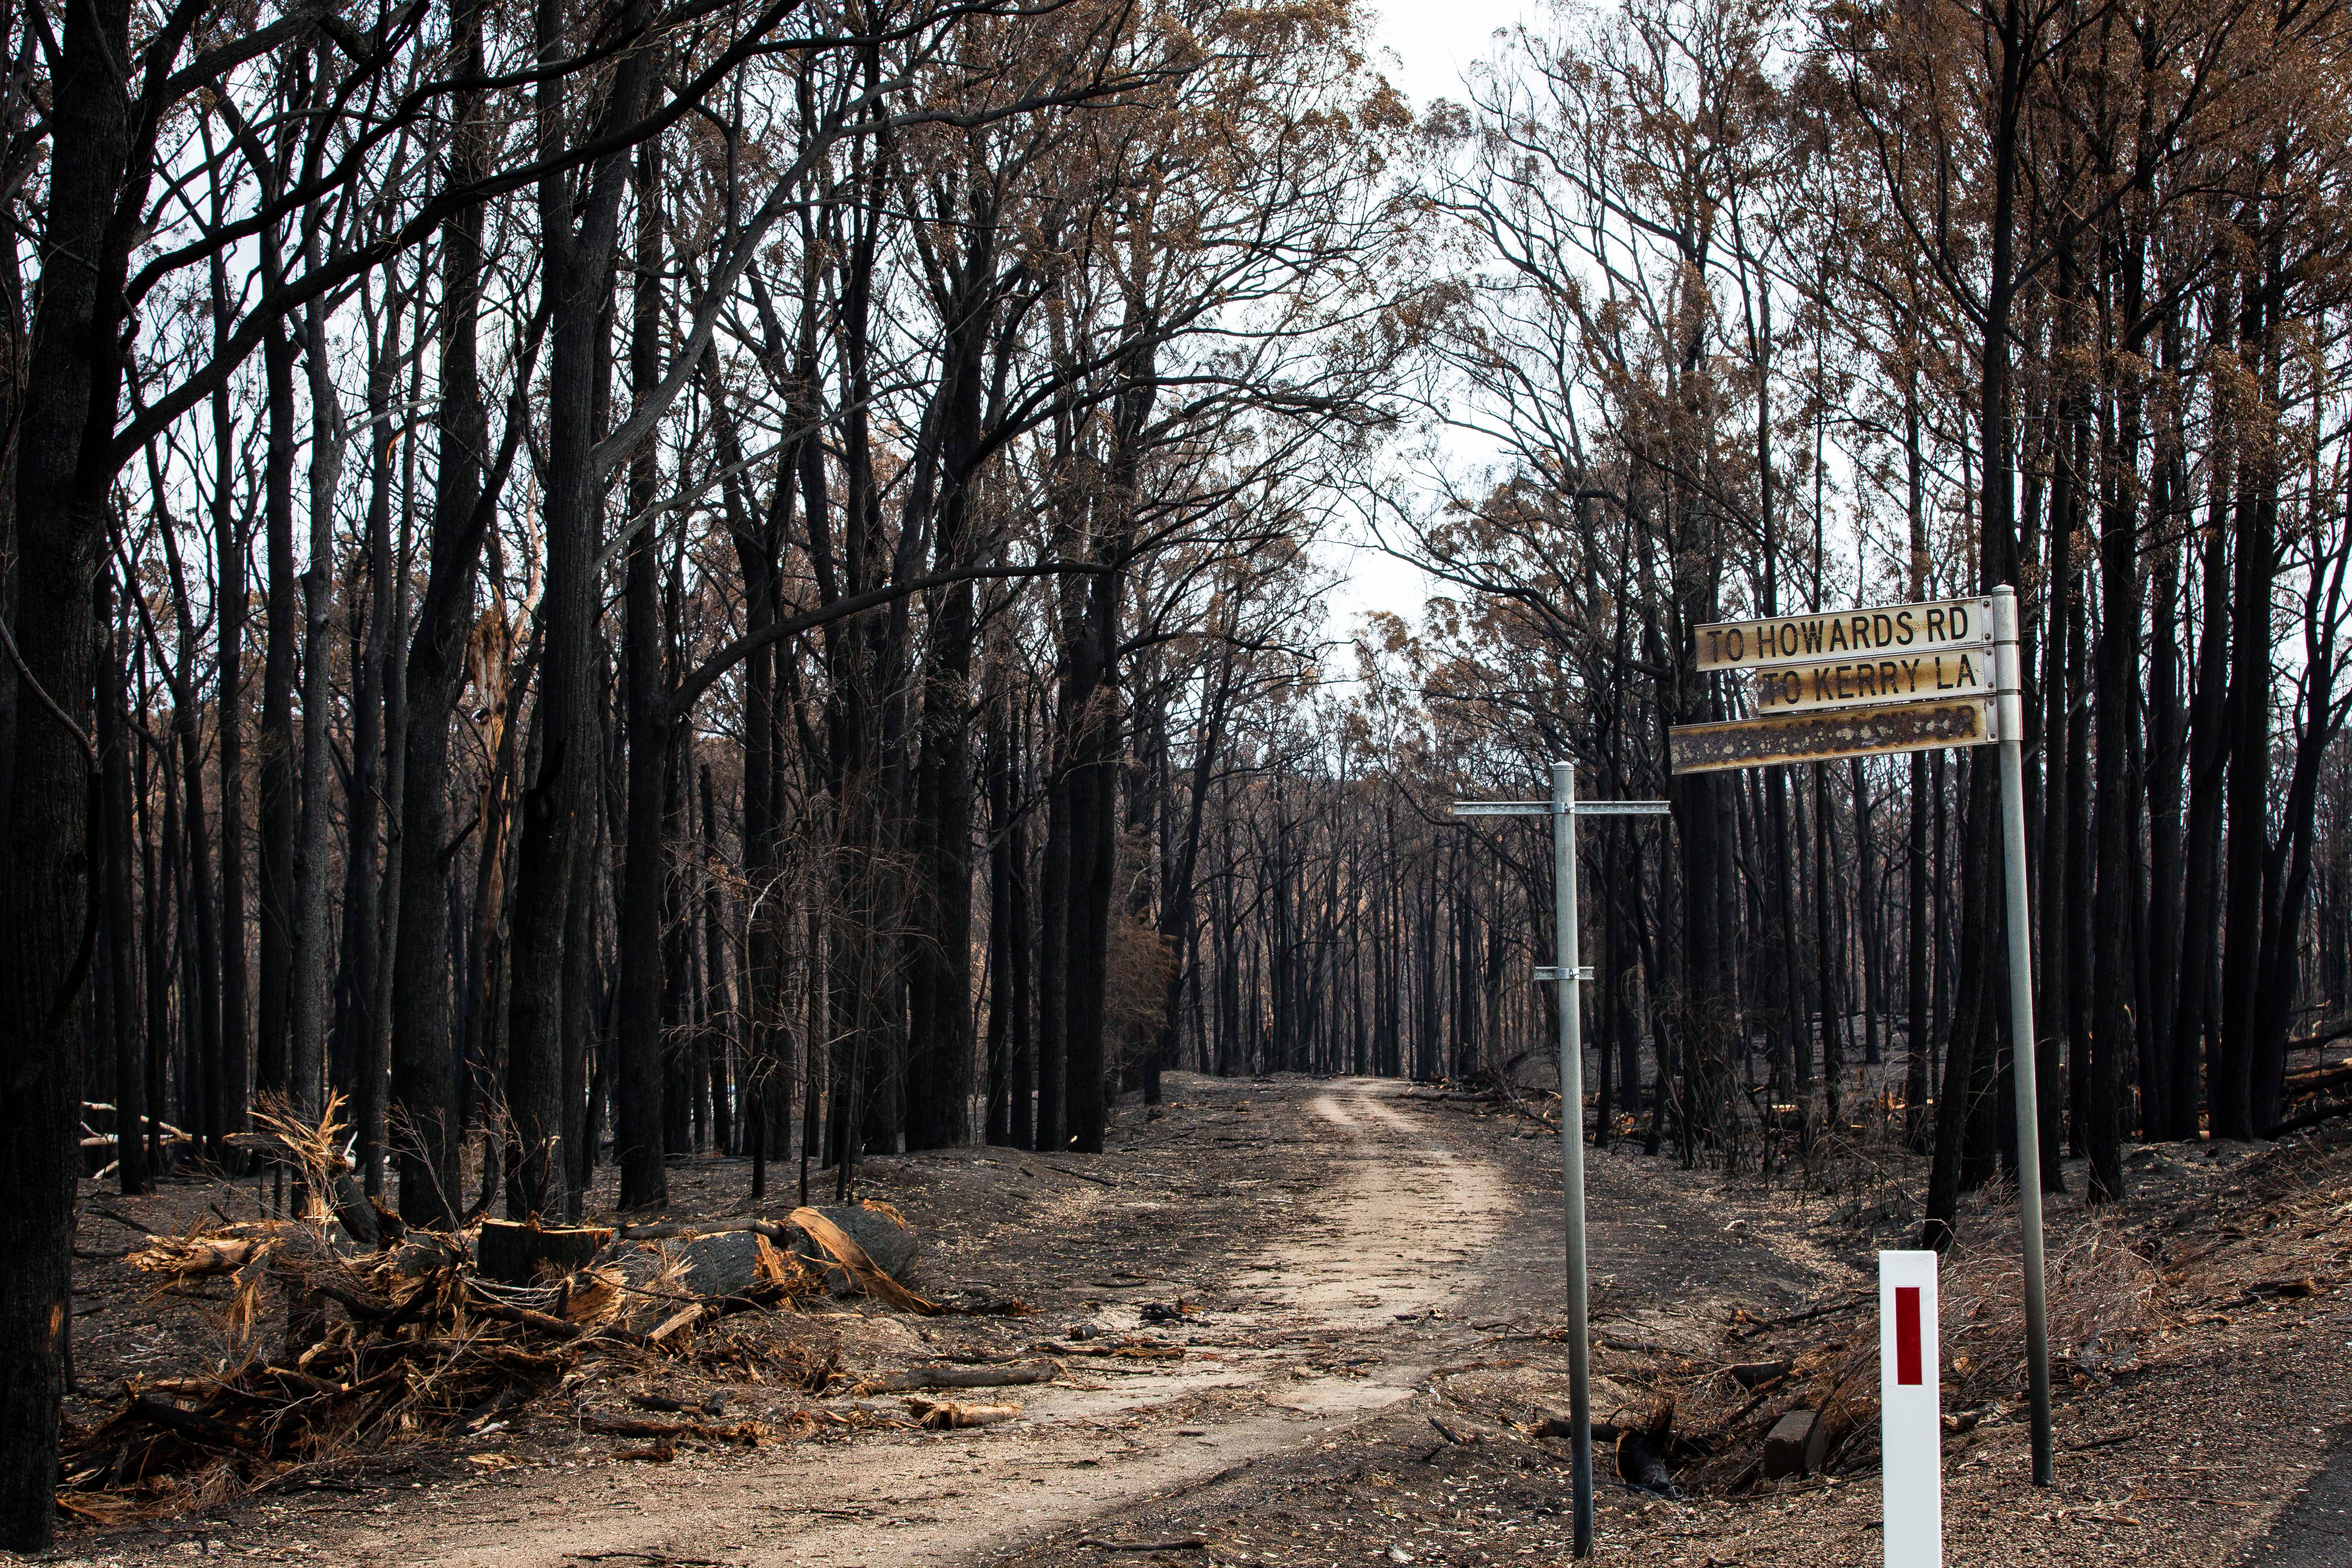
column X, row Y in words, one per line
column 725, row 1264
column 527, row 1253
column 1796, row 1445
column 1642, row 1466
column 891, row 1244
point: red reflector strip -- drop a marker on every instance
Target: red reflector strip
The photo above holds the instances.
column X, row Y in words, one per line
column 1906, row 1334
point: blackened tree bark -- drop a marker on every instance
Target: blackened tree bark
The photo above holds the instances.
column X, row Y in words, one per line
column 425, row 1125
column 364, row 930
column 2117, row 690
column 2209, row 753
column 1916, row 966
column 757, row 535
column 2287, row 873
column 71, row 387
column 637, row 1133
column 939, row 980
column 278, row 822
column 1021, row 1075
column 2175, row 1049
column 2114, row 1021
column 1178, row 901
column 203, row 916
column 122, row 964
column 2062, row 678
column 996, row 765
column 2231, row 1088
column 1977, row 1024
column 578, row 233
column 231, row 1081
column 721, row 1013
column 1091, row 706
column 314, row 869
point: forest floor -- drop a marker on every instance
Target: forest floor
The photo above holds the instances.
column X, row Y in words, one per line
column 1364, row 1286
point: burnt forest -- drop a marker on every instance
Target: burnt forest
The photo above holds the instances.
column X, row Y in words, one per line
column 1176, row 783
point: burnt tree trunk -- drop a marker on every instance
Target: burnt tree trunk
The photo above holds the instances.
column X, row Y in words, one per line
column 423, row 1122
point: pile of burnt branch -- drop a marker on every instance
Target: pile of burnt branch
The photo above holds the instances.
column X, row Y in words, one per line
column 345, row 1330
column 2316, row 1088
column 1795, row 1395
column 1494, row 1090
column 1784, row 1397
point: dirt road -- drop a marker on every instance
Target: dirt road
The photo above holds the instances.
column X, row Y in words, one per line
column 1333, row 1244
column 1369, row 1285
column 1395, row 1237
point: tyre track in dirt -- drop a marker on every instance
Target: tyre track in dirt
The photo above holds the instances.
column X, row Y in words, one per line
column 1337, row 1320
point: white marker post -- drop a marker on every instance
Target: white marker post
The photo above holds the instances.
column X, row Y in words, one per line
column 1910, row 1410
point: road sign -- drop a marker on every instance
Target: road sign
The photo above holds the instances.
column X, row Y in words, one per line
column 1808, row 668
column 1564, row 808
column 1896, row 629
column 1839, row 732
column 1910, row 1419
column 1854, row 683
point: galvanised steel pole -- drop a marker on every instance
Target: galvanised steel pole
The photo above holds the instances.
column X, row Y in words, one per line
column 1571, row 1141
column 2007, row 684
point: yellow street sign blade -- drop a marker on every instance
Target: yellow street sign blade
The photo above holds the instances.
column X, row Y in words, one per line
column 1839, row 732
column 1870, row 682
column 1887, row 632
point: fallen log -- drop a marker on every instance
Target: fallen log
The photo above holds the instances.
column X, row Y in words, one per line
column 2323, row 1036
column 1459, row 1439
column 657, row 1453
column 199, row 1258
column 1827, row 1309
column 710, row 1407
column 671, row 1230
column 2313, row 1080
column 731, row 1263
column 745, row 1434
column 959, row 1378
column 1557, row 1425
column 683, row 1319
column 879, row 1231
column 203, row 1428
column 497, row 1405
column 942, row 1414
column 524, row 1317
column 2312, row 1118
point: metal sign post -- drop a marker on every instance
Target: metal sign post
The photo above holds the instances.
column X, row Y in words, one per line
column 1905, row 678
column 2007, row 681
column 1570, row 974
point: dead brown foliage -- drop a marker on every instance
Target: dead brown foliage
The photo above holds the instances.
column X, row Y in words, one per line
column 408, row 1341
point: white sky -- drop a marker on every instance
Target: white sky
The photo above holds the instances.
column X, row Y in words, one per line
column 1428, row 43
column 1433, row 39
